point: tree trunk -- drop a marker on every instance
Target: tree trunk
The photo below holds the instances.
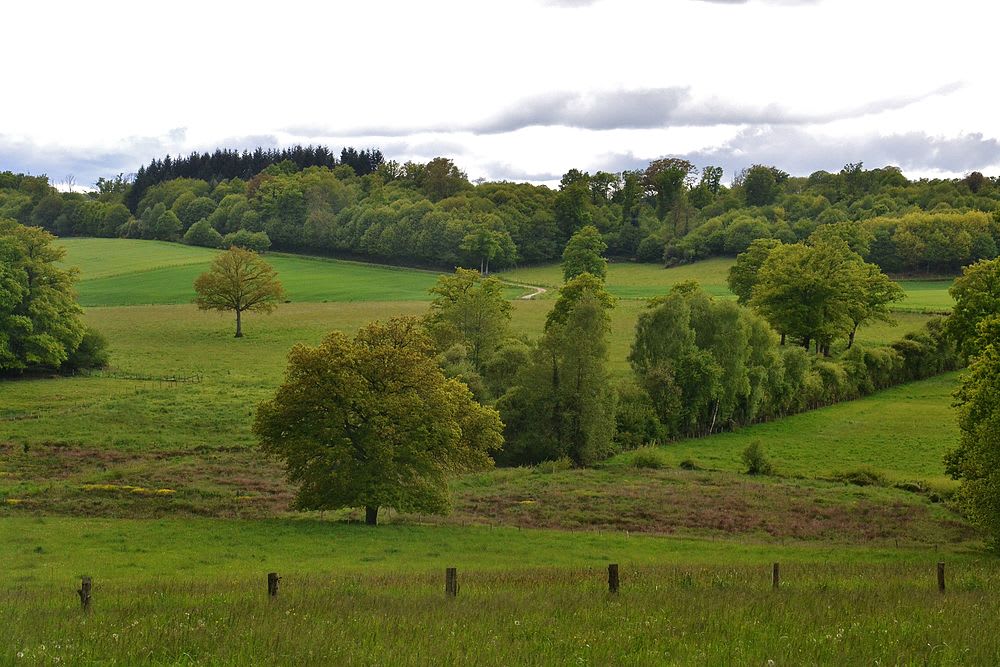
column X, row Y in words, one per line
column 850, row 339
column 371, row 515
column 239, row 324
column 782, row 340
column 806, row 343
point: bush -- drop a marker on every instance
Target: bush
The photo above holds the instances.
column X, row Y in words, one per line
column 649, row 458
column 755, row 460
column 557, row 465
column 690, row 464
column 256, row 241
column 202, row 233
column 92, row 352
column 862, row 477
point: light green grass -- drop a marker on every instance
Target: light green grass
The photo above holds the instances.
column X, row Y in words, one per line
column 630, row 280
column 125, row 272
column 927, row 295
column 192, row 592
column 902, row 432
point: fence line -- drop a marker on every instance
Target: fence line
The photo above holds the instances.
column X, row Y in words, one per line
column 85, row 591
column 141, row 377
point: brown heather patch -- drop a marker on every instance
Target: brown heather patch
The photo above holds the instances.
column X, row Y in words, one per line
column 680, row 502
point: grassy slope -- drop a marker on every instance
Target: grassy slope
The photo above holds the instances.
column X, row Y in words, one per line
column 902, row 432
column 633, row 280
column 121, row 272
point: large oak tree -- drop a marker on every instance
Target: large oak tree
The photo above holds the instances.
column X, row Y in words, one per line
column 373, row 422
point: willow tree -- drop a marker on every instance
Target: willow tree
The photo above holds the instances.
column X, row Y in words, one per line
column 239, row 280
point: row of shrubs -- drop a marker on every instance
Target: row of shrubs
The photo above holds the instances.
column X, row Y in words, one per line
column 820, row 381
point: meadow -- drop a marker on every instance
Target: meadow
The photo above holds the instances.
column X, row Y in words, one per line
column 155, row 488
column 632, row 280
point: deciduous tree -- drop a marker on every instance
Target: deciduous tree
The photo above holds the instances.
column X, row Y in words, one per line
column 584, row 254
column 239, row 280
column 373, row 422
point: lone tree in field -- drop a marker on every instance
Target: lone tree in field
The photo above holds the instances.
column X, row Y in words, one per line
column 239, row 280
column 373, row 422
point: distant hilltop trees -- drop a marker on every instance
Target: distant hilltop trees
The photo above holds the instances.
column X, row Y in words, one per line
column 359, row 204
column 226, row 163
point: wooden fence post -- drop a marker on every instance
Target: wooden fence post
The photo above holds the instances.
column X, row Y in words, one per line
column 84, row 593
column 940, row 577
column 451, row 581
column 272, row 584
column 775, row 577
column 613, row 578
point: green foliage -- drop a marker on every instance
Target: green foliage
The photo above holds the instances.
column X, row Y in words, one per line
column 470, row 310
column 254, row 241
column 562, row 403
column 743, row 274
column 650, row 459
column 203, row 234
column 755, row 460
column 977, row 298
column 976, row 461
column 92, row 352
column 40, row 323
column 584, row 254
column 373, row 422
column 240, row 281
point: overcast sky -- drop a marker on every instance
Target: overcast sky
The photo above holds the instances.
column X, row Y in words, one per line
column 518, row 90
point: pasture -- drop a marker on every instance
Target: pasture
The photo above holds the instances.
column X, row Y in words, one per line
column 155, row 489
column 632, row 280
column 192, row 592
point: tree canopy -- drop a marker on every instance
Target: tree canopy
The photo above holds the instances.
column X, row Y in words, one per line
column 238, row 280
column 40, row 326
column 373, row 422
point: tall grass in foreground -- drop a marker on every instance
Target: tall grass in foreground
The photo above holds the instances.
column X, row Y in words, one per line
column 828, row 614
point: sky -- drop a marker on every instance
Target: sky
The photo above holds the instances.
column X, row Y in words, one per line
column 516, row 90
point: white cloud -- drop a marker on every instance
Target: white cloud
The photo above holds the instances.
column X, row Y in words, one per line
column 525, row 87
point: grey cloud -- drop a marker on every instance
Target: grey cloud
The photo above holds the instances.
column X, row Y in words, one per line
column 673, row 106
column 649, row 108
column 802, row 153
column 502, row 171
column 430, row 148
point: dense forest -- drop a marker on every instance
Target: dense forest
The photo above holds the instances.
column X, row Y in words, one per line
column 359, row 204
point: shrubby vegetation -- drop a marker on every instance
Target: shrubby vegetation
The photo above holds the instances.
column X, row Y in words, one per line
column 307, row 199
column 40, row 326
column 976, row 461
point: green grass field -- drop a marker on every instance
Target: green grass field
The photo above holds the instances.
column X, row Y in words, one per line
column 192, row 592
column 125, row 272
column 630, row 280
column 157, row 491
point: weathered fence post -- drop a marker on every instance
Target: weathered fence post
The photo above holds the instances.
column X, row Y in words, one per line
column 775, row 577
column 272, row 584
column 940, row 577
column 613, row 578
column 451, row 581
column 84, row 593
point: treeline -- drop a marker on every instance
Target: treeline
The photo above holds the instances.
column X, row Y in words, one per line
column 309, row 200
column 225, row 164
column 699, row 364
